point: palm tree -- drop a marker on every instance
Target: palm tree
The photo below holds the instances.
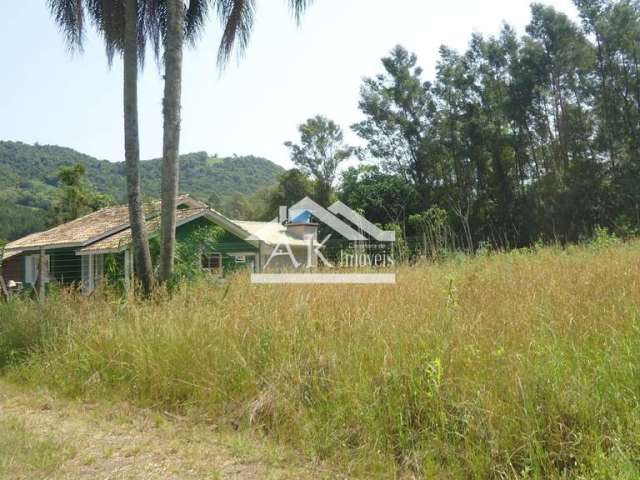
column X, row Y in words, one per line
column 122, row 25
column 171, row 134
column 132, row 40
column 236, row 17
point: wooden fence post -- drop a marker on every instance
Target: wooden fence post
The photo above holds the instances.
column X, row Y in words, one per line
column 4, row 291
column 41, row 284
column 127, row 271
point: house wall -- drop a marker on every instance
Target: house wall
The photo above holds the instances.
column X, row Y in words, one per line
column 284, row 262
column 100, row 269
column 227, row 245
column 65, row 266
column 31, row 267
column 13, row 269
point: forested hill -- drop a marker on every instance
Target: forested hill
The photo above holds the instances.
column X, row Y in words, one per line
column 28, row 179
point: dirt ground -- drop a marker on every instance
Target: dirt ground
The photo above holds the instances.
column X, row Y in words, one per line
column 46, row 437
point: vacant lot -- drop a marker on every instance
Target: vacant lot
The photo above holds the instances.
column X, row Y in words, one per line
column 524, row 364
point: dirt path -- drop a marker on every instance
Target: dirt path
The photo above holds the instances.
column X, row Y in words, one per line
column 45, row 437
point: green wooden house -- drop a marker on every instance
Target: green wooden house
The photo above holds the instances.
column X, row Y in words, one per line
column 84, row 251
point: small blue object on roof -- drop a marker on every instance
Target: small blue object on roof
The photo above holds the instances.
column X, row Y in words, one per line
column 301, row 216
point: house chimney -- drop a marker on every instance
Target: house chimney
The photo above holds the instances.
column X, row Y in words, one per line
column 283, row 215
column 302, row 230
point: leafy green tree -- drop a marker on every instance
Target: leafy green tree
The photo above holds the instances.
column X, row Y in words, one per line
column 615, row 27
column 399, row 110
column 76, row 197
column 292, row 187
column 214, row 201
column 205, row 239
column 239, row 207
column 320, row 152
column 382, row 198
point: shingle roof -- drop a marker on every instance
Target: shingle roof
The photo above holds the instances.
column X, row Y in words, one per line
column 121, row 240
column 77, row 232
column 107, row 230
column 269, row 232
column 90, row 228
column 6, row 254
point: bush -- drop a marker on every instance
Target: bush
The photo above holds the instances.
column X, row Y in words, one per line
column 602, row 238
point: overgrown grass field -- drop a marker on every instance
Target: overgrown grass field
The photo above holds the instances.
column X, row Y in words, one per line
column 522, row 364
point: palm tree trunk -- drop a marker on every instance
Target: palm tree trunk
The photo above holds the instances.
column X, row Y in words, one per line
column 171, row 139
column 142, row 257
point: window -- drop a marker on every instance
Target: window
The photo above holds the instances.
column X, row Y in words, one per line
column 32, row 265
column 211, row 261
column 241, row 259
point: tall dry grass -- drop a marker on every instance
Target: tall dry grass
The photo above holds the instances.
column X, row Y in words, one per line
column 524, row 364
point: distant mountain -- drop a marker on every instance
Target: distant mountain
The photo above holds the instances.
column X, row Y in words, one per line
column 28, row 179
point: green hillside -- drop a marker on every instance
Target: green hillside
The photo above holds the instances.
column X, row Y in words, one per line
column 28, row 179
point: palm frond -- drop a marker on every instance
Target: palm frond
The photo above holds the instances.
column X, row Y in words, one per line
column 236, row 17
column 108, row 16
column 196, row 15
column 298, row 7
column 155, row 21
column 69, row 15
column 154, row 13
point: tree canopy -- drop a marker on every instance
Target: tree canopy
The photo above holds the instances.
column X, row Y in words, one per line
column 517, row 138
column 75, row 197
column 320, row 152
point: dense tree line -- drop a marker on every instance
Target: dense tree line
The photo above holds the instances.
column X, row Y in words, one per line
column 30, row 181
column 17, row 221
column 29, row 174
column 517, row 139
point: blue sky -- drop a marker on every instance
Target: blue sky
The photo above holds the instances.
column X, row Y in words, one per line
column 288, row 74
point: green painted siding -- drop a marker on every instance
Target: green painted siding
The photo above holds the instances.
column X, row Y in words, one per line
column 65, row 266
column 226, row 245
